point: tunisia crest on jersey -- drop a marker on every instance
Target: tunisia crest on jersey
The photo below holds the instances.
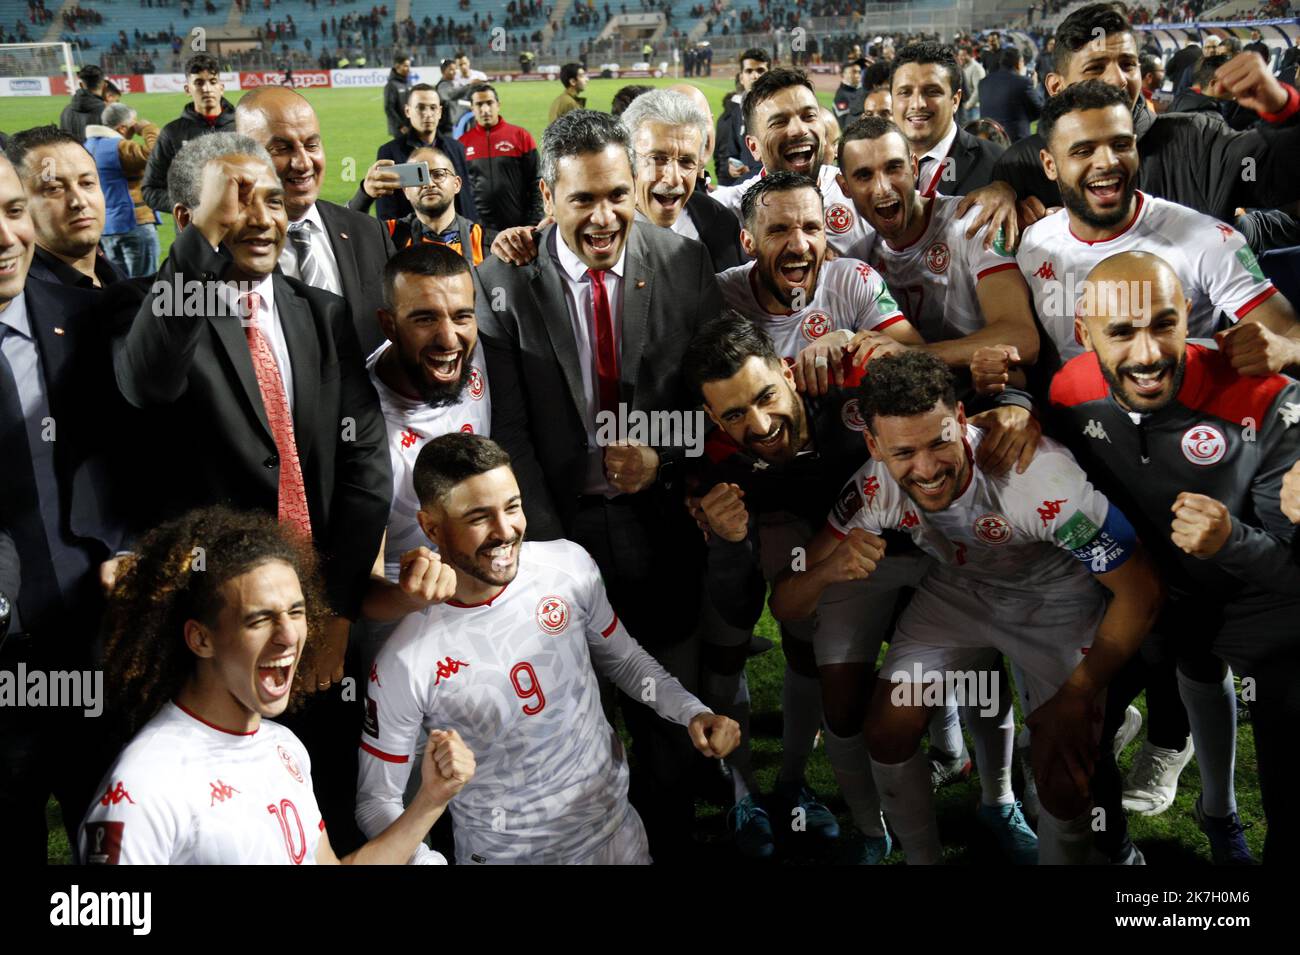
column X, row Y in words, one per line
column 290, row 764
column 475, row 386
column 552, row 614
column 839, row 218
column 992, row 529
column 1204, row 445
column 937, row 258
column 815, row 325
column 851, row 415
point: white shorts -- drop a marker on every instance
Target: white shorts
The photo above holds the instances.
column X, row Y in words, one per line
column 627, row 846
column 852, row 619
column 955, row 626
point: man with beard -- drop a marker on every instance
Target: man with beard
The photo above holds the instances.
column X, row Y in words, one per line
column 514, row 656
column 1193, row 159
column 381, row 186
column 809, row 305
column 1019, row 560
column 958, row 295
column 66, row 205
column 431, row 380
column 1197, row 452
column 775, row 468
column 434, row 218
column 1092, row 156
column 329, row 246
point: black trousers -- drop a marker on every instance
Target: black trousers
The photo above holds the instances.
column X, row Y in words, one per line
column 653, row 569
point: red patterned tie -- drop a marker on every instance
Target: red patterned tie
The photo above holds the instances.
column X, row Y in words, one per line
column 606, row 352
column 292, row 491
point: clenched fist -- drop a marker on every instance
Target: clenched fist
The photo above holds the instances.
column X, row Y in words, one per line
column 631, row 467
column 424, row 578
column 1254, row 349
column 448, row 765
column 724, row 509
column 1201, row 524
column 990, row 368
column 714, row 735
column 854, row 558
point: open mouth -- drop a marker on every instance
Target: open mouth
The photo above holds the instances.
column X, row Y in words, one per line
column 1147, row 383
column 919, row 120
column 1107, row 190
column 275, row 677
column 933, row 488
column 799, row 157
column 444, row 366
column 796, row 271
column 889, row 213
column 303, row 183
column 667, row 201
column 600, row 243
column 501, row 556
column 9, row 266
column 261, row 245
column 772, row 439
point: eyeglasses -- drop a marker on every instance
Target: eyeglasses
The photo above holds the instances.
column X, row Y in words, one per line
column 685, row 164
column 440, row 175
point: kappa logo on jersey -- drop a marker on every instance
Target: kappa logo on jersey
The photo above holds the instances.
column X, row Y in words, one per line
column 1046, row 272
column 409, row 438
column 937, row 258
column 221, row 792
column 374, row 674
column 1204, row 445
column 870, row 488
column 1225, row 231
column 105, row 842
column 1095, row 429
column 909, row 521
column 447, row 668
column 815, row 325
column 552, row 614
column 992, row 529
column 476, row 386
column 1050, row 509
column 115, row 795
column 864, row 271
column 289, row 763
column 1290, row 412
column 839, row 218
column 467, row 428
column 851, row 415
column 848, row 504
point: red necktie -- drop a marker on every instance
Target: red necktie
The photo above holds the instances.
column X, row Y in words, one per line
column 606, row 352
column 292, row 491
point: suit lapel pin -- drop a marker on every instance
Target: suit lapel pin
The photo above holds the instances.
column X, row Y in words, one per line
column 343, row 235
column 640, row 283
column 57, row 330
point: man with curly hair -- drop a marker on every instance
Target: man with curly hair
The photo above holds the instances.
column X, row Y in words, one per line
column 207, row 627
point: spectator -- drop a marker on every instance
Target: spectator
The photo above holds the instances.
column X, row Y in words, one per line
column 849, row 96
column 1009, row 97
column 573, row 76
column 395, row 92
column 87, row 104
column 207, row 112
column 423, row 114
column 972, row 74
column 449, row 91
column 623, row 98
column 503, row 165
column 1153, row 79
column 130, row 237
column 1208, row 95
column 735, row 163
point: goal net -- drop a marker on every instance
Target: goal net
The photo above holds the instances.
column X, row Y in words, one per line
column 38, row 59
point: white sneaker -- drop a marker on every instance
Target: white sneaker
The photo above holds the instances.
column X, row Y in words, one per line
column 1153, row 779
column 1128, row 730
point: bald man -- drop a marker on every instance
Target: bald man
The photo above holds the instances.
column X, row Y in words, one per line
column 329, row 246
column 702, row 101
column 1196, row 452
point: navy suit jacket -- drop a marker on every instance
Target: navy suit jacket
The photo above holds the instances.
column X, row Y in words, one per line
column 1012, row 100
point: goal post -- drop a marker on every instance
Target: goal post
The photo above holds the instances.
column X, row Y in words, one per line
column 38, row 59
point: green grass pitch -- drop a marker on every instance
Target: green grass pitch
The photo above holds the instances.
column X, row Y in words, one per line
column 352, row 125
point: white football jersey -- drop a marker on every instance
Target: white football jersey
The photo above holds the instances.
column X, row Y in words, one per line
column 845, row 229
column 1016, row 532
column 516, row 677
column 184, row 792
column 1217, row 268
column 849, row 295
column 412, row 424
column 933, row 279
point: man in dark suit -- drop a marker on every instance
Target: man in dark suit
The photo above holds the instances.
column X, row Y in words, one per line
column 262, row 395
column 731, row 156
column 381, row 187
column 60, row 519
column 330, row 246
column 926, row 89
column 592, row 331
column 1010, row 97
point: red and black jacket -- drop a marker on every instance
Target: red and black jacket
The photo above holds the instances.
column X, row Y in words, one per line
column 503, row 174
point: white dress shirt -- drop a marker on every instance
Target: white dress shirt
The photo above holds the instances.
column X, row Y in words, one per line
column 577, row 288
column 932, row 162
column 321, row 249
column 268, row 320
